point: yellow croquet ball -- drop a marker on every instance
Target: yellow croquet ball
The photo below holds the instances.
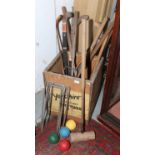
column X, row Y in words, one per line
column 71, row 124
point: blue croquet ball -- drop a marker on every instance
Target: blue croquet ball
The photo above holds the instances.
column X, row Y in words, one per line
column 64, row 132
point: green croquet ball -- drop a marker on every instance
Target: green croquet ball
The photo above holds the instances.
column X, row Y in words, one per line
column 53, row 138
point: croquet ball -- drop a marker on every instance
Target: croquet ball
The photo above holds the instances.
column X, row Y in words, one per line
column 53, row 138
column 64, row 132
column 71, row 124
column 64, row 145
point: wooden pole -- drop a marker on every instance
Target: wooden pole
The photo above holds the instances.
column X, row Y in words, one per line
column 83, row 74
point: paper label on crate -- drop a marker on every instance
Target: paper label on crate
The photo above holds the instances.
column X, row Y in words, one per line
column 76, row 81
column 74, row 103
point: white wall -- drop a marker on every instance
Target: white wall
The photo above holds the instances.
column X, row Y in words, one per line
column 46, row 35
column 45, row 38
column 67, row 3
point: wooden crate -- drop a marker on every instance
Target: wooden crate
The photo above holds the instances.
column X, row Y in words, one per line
column 53, row 73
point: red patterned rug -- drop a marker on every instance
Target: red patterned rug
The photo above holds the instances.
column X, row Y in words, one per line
column 106, row 143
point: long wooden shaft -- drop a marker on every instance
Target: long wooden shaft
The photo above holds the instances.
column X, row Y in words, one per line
column 103, row 47
column 99, row 33
column 101, row 52
column 99, row 44
column 75, row 24
column 83, row 74
column 97, row 47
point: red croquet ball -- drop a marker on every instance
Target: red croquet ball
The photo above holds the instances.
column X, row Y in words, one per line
column 64, row 145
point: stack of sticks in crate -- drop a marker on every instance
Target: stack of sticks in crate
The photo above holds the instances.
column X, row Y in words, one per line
column 83, row 30
column 86, row 32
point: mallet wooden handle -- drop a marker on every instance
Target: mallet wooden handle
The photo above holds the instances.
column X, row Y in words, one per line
column 83, row 74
